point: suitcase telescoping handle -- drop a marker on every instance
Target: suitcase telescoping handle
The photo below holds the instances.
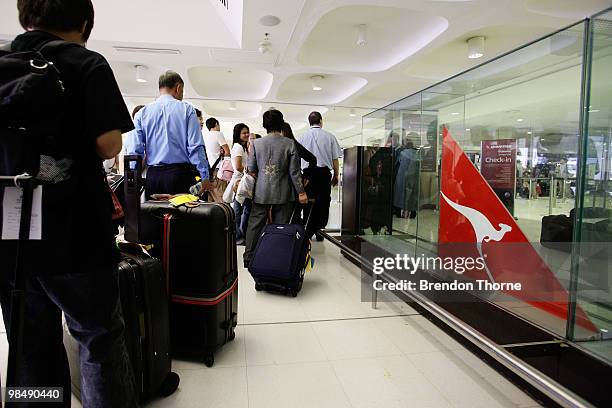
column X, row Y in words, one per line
column 133, row 188
column 298, row 207
column 18, row 293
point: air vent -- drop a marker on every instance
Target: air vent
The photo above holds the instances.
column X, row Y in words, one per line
column 168, row 51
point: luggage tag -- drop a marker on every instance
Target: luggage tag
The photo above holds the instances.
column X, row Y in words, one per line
column 309, row 263
column 11, row 213
column 185, row 199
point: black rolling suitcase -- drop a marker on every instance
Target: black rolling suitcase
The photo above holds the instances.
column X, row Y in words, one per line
column 556, row 232
column 198, row 250
column 144, row 302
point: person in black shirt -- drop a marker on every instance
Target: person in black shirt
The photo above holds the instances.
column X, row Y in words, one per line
column 73, row 269
column 304, row 153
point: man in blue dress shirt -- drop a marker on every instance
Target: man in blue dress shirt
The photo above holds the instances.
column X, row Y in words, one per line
column 168, row 131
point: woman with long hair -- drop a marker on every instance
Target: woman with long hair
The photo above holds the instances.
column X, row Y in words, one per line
column 239, row 160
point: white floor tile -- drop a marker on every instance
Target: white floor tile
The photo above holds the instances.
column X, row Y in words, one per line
column 308, row 385
column 4, row 348
column 217, row 387
column 353, row 339
column 468, row 382
column 282, row 344
column 387, row 382
column 415, row 334
column 263, row 307
column 232, row 354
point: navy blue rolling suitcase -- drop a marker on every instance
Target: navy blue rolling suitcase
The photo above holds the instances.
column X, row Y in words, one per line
column 279, row 261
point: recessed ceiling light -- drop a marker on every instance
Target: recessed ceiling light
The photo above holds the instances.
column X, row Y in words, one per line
column 269, row 21
column 468, row 129
column 352, row 113
column 475, row 47
column 232, row 106
column 140, row 72
column 593, row 110
column 454, row 113
column 529, row 133
column 145, row 50
column 520, row 119
column 316, row 82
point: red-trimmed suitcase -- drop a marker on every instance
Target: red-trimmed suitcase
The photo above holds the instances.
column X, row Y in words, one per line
column 198, row 250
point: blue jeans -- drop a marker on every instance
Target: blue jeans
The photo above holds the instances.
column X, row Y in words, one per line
column 242, row 213
column 90, row 302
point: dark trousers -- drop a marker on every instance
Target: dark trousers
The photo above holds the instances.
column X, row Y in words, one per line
column 169, row 179
column 319, row 189
column 90, row 302
column 281, row 214
column 242, row 212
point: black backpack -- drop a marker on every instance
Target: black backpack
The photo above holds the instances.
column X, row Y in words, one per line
column 31, row 107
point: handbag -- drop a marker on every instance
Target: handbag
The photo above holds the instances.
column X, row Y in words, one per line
column 226, row 171
column 245, row 188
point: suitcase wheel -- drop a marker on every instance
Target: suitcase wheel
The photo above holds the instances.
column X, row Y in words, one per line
column 209, row 360
column 292, row 292
column 258, row 287
column 170, row 384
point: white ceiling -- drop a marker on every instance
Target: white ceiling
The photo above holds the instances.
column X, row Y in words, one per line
column 411, row 44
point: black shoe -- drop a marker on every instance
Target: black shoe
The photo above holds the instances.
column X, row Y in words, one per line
column 241, row 241
column 246, row 264
column 320, row 238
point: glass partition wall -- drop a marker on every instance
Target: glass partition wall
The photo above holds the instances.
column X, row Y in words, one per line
column 506, row 154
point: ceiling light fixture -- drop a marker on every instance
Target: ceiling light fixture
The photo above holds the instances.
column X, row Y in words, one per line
column 454, row 113
column 140, row 73
column 352, row 113
column 316, row 82
column 362, row 35
column 520, row 120
column 269, row 21
column 168, row 51
column 232, row 106
column 265, row 45
column 475, row 47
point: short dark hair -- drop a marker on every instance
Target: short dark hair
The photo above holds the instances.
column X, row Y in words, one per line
column 237, row 130
column 273, row 120
column 287, row 131
column 198, row 113
column 257, row 136
column 57, row 15
column 136, row 110
column 211, row 123
column 315, row 118
column 170, row 79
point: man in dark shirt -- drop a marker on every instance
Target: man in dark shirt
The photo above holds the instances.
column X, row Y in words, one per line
column 73, row 268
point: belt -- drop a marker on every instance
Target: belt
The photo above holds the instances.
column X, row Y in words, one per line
column 172, row 166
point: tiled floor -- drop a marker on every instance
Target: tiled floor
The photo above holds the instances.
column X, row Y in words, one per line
column 326, row 348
